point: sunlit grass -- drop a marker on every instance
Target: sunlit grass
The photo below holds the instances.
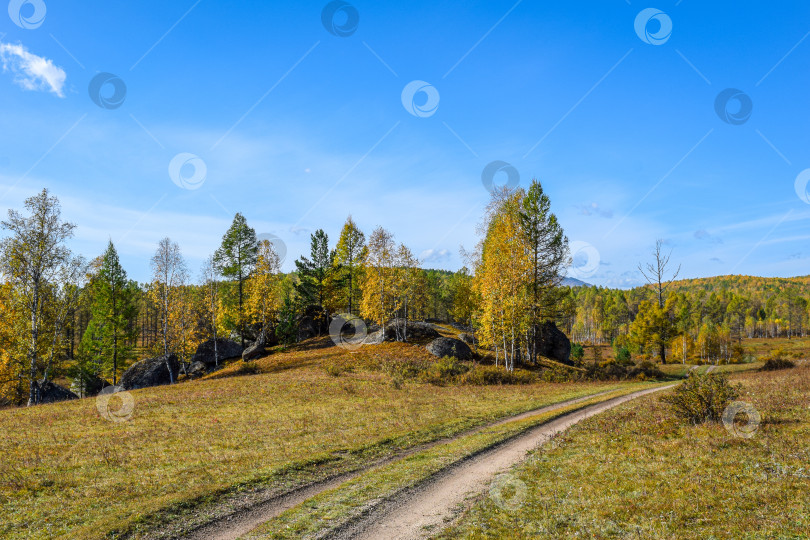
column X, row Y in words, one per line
column 66, row 471
column 336, row 507
column 639, row 472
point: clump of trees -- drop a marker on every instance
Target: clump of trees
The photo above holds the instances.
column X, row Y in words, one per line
column 519, row 266
column 60, row 315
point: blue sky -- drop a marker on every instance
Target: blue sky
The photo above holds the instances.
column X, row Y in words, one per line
column 298, row 128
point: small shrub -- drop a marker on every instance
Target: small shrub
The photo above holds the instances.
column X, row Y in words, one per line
column 490, row 375
column 336, row 370
column 622, row 355
column 443, row 371
column 577, row 352
column 773, row 364
column 737, row 354
column 702, row 398
column 561, row 375
column 404, row 369
column 614, row 370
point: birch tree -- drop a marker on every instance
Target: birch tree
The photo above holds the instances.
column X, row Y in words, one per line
column 210, row 284
column 379, row 276
column 31, row 258
column 263, row 287
column 168, row 275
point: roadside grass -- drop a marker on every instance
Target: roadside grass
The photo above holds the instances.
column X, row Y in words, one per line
column 681, row 370
column 637, row 471
column 68, row 472
column 337, row 507
column 794, row 348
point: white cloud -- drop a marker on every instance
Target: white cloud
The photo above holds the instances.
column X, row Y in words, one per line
column 435, row 256
column 30, row 71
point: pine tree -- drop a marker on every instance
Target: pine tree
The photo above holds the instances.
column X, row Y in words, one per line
column 349, row 255
column 110, row 336
column 316, row 273
column 235, row 259
column 548, row 250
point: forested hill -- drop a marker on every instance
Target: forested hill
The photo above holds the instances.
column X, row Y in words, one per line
column 745, row 285
column 707, row 313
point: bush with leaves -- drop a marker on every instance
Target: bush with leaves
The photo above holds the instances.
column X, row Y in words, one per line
column 444, row 370
column 577, row 353
column 490, row 375
column 622, row 354
column 702, row 398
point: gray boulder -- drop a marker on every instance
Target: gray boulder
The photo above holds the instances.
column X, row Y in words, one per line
column 412, row 330
column 256, row 350
column 196, row 370
column 399, row 330
column 225, row 349
column 151, row 372
column 469, row 339
column 444, row 346
column 313, row 322
column 48, row 392
column 553, row 343
column 87, row 384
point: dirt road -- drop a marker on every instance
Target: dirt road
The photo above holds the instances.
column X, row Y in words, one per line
column 423, row 510
column 243, row 521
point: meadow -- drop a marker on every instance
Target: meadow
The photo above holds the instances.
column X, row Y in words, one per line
column 638, row 471
column 294, row 417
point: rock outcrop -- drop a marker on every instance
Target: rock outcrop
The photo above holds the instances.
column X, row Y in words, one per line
column 255, row 350
column 49, row 392
column 469, row 339
column 313, row 322
column 399, row 330
column 444, row 346
column 151, row 372
column 196, row 370
column 553, row 343
column 225, row 349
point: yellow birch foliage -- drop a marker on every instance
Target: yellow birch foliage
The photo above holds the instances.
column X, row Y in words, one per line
column 263, row 287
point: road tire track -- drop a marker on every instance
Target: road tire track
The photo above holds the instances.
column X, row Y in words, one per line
column 422, row 511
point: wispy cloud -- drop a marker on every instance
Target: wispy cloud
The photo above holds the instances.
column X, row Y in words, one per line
column 594, row 209
column 703, row 234
column 30, row 71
